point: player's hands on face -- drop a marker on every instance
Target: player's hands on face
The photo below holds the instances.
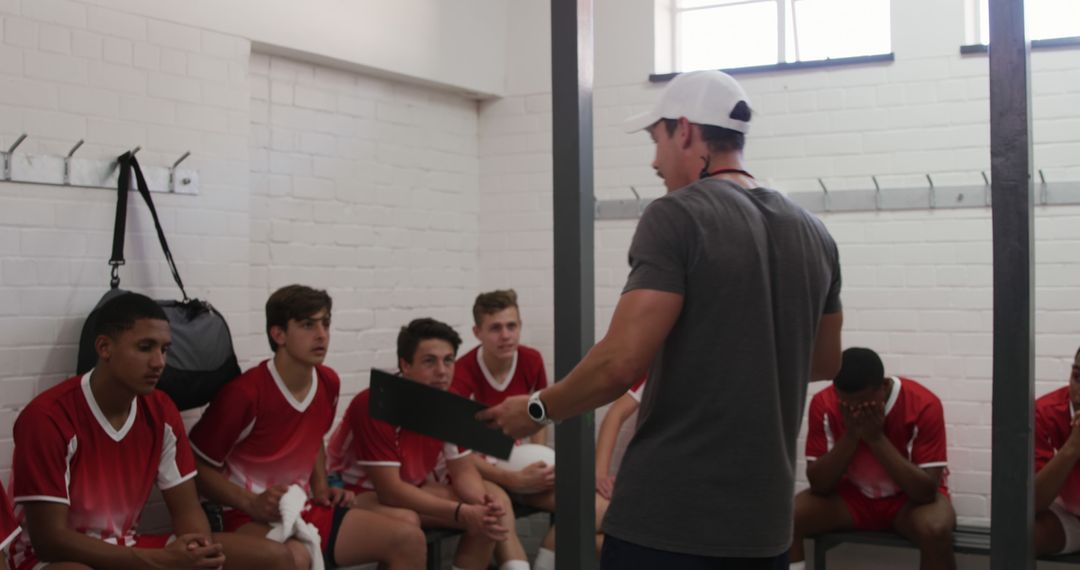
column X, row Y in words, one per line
column 605, row 486
column 266, row 506
column 1074, row 436
column 189, row 551
column 333, row 497
column 511, row 417
column 871, row 420
column 535, row 477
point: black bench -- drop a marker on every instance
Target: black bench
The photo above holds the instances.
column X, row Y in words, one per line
column 966, row 540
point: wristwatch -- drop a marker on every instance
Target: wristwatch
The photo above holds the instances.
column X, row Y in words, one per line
column 537, row 409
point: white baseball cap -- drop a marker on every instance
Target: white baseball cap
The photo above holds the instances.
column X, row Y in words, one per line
column 703, row 97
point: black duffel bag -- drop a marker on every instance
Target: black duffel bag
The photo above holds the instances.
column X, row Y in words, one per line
column 201, row 358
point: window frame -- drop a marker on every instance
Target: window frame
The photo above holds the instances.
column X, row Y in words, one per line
column 784, row 47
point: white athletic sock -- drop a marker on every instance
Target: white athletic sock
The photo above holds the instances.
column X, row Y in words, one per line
column 545, row 560
column 798, row 565
column 514, row 565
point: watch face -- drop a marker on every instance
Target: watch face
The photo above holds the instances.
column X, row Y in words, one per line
column 536, row 411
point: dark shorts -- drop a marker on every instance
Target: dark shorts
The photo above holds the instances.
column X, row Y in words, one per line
column 621, row 555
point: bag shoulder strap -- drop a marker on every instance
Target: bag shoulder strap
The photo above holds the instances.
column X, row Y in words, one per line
column 128, row 165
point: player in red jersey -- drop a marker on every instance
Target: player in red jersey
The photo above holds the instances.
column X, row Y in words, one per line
column 876, row 460
column 497, row 369
column 9, row 527
column 1057, row 481
column 89, row 450
column 407, row 470
column 264, row 433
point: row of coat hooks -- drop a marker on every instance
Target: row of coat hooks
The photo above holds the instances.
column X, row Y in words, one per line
column 929, row 197
column 67, row 170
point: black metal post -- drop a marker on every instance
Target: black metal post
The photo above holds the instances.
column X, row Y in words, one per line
column 1012, row 487
column 572, row 86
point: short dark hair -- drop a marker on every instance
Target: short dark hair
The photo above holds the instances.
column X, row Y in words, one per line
column 293, row 302
column 120, row 313
column 419, row 330
column 719, row 139
column 860, row 368
column 493, row 302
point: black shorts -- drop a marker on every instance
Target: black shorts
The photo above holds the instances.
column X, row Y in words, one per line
column 622, row 555
column 335, row 527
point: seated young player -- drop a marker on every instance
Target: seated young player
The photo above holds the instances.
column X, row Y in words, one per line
column 876, row 457
column 263, row 433
column 89, row 450
column 9, row 527
column 497, row 369
column 406, row 470
column 1057, row 481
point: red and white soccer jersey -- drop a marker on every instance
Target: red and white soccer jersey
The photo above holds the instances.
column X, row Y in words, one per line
column 1053, row 419
column 637, row 389
column 9, row 525
column 472, row 379
column 361, row 441
column 914, row 423
column 67, row 452
column 260, row 434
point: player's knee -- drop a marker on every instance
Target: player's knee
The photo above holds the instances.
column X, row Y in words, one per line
column 803, row 509
column 410, row 542
column 498, row 494
column 273, row 556
column 408, row 517
column 935, row 532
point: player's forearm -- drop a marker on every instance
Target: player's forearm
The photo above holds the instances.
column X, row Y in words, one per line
column 825, row 472
column 1051, row 478
column 215, row 486
column 916, row 483
column 318, row 480
column 609, row 435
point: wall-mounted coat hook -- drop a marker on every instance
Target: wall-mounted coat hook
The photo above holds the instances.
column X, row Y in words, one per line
column 986, row 182
column 824, row 189
column 877, row 193
column 10, row 152
column 67, row 162
column 172, row 173
column 1042, row 188
column 637, row 198
column 933, row 192
column 135, row 150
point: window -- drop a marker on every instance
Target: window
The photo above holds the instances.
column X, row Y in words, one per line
column 1046, row 19
column 724, row 34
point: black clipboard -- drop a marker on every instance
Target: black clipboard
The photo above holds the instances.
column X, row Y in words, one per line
column 435, row 413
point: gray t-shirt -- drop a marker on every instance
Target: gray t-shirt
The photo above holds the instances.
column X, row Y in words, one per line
column 710, row 470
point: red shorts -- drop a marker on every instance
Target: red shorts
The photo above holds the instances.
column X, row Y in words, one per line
column 873, row 514
column 27, row 560
column 320, row 516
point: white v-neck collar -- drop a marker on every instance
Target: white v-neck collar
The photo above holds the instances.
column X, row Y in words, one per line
column 115, row 434
column 298, row 405
column 491, row 377
column 893, row 395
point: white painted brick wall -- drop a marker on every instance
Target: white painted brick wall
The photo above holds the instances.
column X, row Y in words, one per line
column 363, row 186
